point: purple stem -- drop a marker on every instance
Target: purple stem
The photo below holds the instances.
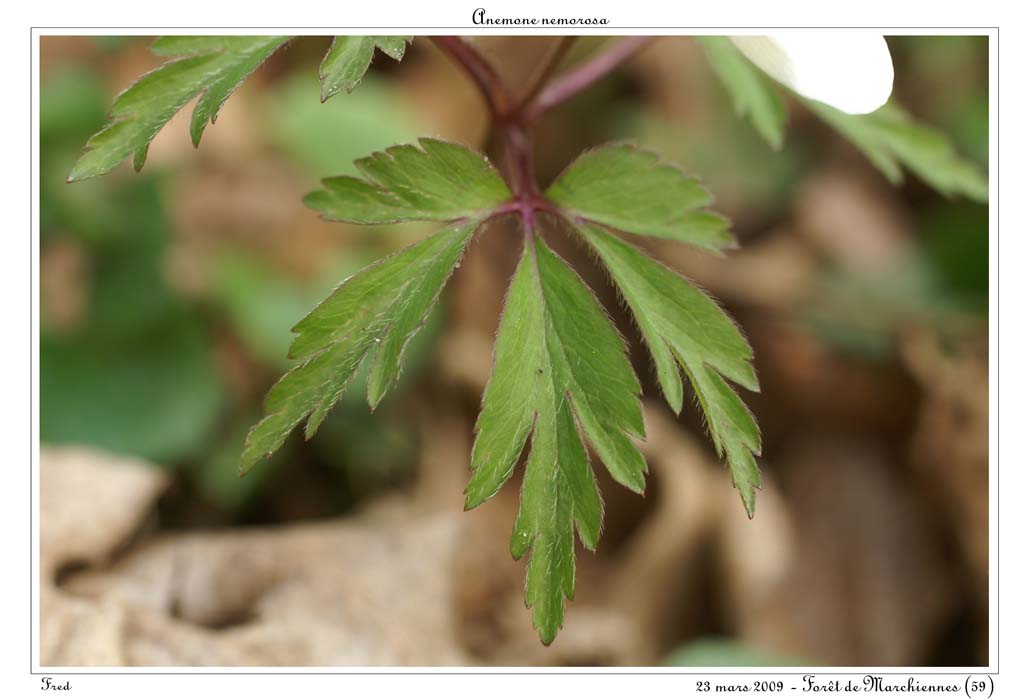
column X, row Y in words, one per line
column 581, row 77
column 518, row 147
column 481, row 72
column 553, row 61
column 513, row 120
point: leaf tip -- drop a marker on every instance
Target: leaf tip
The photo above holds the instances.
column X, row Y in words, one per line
column 547, row 637
column 473, row 498
column 245, row 465
column 519, row 545
column 328, row 90
column 80, row 171
column 637, row 484
column 749, row 499
column 295, row 350
column 376, row 393
column 675, row 403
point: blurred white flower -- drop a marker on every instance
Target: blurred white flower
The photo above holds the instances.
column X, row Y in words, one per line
column 851, row 71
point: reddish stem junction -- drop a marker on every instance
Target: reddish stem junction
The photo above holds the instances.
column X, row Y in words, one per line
column 514, row 119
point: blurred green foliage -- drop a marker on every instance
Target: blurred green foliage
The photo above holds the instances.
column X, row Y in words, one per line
column 262, row 304
column 718, row 652
column 139, row 372
column 137, row 375
column 326, row 138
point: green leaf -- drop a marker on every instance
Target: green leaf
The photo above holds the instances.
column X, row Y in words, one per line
column 683, row 325
column 890, row 138
column 349, row 57
column 752, row 94
column 210, row 66
column 629, row 189
column 375, row 312
column 440, row 181
column 560, row 373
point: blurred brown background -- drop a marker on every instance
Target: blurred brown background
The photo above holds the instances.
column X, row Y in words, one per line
column 167, row 299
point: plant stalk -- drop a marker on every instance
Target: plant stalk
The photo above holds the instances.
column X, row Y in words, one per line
column 513, row 121
column 571, row 83
column 497, row 96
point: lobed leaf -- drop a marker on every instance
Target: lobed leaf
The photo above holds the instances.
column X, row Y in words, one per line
column 349, row 57
column 683, row 327
column 440, row 181
column 629, row 189
column 560, row 374
column 890, row 138
column 752, row 94
column 209, row 66
column 375, row 312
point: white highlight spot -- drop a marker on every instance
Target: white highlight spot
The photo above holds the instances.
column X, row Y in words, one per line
column 851, row 71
